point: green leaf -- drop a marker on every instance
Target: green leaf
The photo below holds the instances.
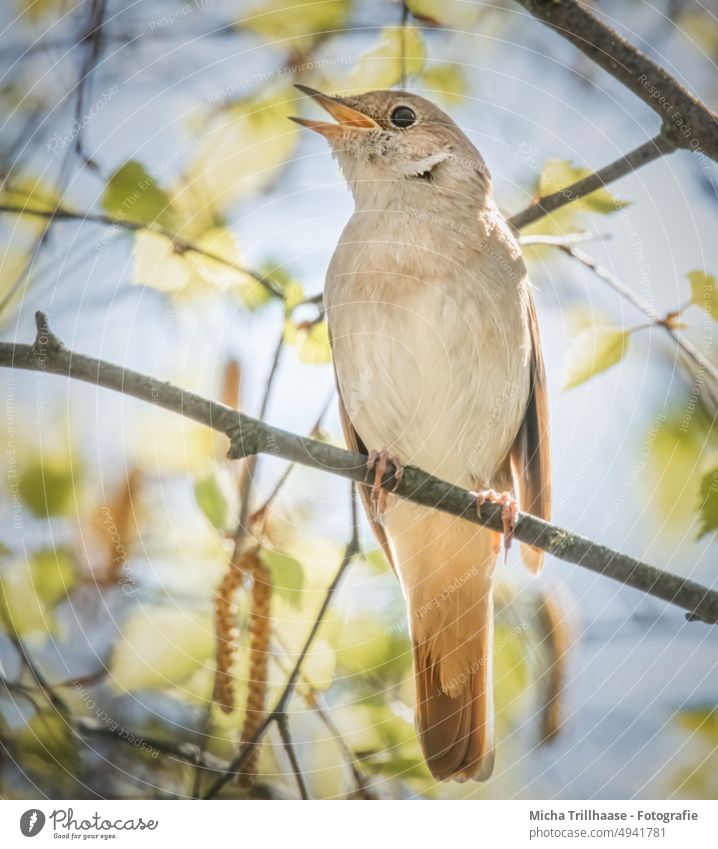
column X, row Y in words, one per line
column 52, row 572
column 132, row 194
column 558, row 174
column 287, row 575
column 46, row 486
column 708, row 503
column 47, row 741
column 381, row 67
column 704, row 292
column 592, row 351
column 212, row 501
column 315, row 349
column 447, row 81
column 159, row 647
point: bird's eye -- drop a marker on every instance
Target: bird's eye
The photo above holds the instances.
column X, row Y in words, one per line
column 403, row 117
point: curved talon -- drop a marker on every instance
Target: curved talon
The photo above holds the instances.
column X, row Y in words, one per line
column 509, row 512
column 379, row 461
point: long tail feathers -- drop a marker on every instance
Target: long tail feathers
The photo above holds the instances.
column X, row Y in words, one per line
column 455, row 717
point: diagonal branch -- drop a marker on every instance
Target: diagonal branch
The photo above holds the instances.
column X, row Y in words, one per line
column 60, row 213
column 249, row 436
column 642, row 155
column 685, row 119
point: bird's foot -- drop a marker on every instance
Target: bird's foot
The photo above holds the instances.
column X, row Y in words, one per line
column 379, row 461
column 509, row 513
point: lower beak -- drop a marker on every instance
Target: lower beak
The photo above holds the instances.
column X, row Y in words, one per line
column 340, row 110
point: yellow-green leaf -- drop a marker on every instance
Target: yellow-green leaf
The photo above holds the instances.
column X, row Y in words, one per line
column 704, row 292
column 381, row 67
column 708, row 503
column 159, row 647
column 558, row 174
column 241, row 152
column 287, row 575
column 46, row 485
column 315, row 349
column 592, row 351
column 132, row 194
column 288, row 20
column 447, row 81
column 439, row 12
column 52, row 572
column 212, row 501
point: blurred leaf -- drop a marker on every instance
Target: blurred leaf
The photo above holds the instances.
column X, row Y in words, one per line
column 35, row 9
column 708, row 503
column 287, row 575
column 48, row 742
column 677, row 447
column 156, row 263
column 311, row 340
column 220, row 242
column 511, row 673
column 376, row 559
column 381, row 66
column 592, row 351
column 557, row 174
column 398, row 767
column 294, row 24
column 241, row 152
column 370, row 647
column 132, row 194
column 46, row 485
column 159, row 647
column 212, row 501
column 318, row 668
column 704, row 292
column 699, row 779
column 441, row 13
column 447, row 81
column 29, row 191
column 52, row 572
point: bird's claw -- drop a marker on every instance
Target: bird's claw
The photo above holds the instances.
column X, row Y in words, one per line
column 509, row 511
column 379, row 461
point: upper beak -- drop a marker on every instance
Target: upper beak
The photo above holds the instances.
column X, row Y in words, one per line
column 339, row 109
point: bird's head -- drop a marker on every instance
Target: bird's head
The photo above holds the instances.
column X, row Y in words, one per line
column 389, row 136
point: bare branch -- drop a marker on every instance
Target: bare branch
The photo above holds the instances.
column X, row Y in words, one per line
column 249, row 436
column 688, row 122
column 181, row 245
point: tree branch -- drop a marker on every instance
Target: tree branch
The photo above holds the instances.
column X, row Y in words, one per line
column 249, row 436
column 643, row 154
column 707, row 373
column 688, row 122
column 181, row 245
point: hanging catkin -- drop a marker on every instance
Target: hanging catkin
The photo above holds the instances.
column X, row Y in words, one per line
column 259, row 636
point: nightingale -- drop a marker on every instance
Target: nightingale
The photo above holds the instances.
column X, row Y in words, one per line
column 438, row 363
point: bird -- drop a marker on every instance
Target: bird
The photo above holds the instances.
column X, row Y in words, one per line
column 437, row 359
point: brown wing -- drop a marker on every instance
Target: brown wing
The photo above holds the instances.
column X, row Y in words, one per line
column 531, row 452
column 355, row 444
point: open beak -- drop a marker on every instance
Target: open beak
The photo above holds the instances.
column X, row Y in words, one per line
column 340, row 110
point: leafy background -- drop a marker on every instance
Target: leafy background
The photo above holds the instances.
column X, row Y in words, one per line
column 117, row 518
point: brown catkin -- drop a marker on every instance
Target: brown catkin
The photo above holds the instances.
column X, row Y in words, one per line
column 259, row 637
column 115, row 524
column 226, row 636
column 556, row 636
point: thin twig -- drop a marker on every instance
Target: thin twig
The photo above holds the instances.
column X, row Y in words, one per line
column 181, row 245
column 249, row 436
column 706, row 370
column 351, row 550
column 283, row 728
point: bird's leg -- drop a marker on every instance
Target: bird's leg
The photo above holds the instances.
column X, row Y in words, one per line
column 509, row 512
column 378, row 461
